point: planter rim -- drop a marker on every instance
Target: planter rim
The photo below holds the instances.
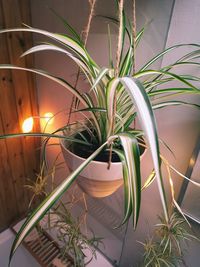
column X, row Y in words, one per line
column 95, row 170
column 62, row 142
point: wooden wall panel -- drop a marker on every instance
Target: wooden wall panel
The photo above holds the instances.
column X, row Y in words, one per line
column 18, row 100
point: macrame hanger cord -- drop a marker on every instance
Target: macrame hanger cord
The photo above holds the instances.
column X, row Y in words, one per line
column 85, row 34
column 134, row 36
column 120, row 36
column 134, row 44
column 119, row 50
column 88, row 26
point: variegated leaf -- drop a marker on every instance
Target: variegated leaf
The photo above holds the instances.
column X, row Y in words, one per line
column 140, row 99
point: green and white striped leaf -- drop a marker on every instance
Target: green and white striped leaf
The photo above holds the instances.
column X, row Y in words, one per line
column 160, row 55
column 149, row 180
column 174, row 103
column 61, row 82
column 127, row 64
column 132, row 159
column 102, row 73
column 110, row 96
column 172, row 90
column 140, row 99
column 46, row 135
column 65, row 40
column 46, row 47
column 68, row 26
column 127, row 189
column 167, row 73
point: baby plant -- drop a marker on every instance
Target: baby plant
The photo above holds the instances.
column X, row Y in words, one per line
column 60, row 222
column 165, row 248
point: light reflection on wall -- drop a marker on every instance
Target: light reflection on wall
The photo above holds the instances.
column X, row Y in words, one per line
column 46, row 123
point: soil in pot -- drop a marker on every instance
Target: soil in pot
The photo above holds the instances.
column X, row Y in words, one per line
column 85, row 151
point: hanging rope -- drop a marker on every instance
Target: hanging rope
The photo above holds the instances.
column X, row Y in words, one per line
column 120, row 36
column 91, row 15
column 134, row 36
column 134, row 44
column 85, row 34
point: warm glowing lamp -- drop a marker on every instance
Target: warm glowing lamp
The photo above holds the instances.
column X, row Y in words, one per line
column 27, row 125
column 48, row 117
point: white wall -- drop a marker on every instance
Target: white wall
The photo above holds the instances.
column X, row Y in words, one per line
column 182, row 123
column 185, row 122
column 179, row 130
column 179, row 127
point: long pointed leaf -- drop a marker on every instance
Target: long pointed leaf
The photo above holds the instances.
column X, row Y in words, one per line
column 174, row 90
column 61, row 82
column 65, row 40
column 132, row 158
column 174, row 103
column 127, row 187
column 149, row 180
column 45, row 47
column 167, row 73
column 68, row 26
column 145, row 112
column 102, row 73
column 47, row 135
column 160, row 55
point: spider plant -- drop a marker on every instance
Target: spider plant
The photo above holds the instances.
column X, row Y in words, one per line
column 115, row 98
column 69, row 234
column 67, row 229
column 167, row 249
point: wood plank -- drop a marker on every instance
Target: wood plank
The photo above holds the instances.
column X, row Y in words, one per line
column 23, row 81
column 18, row 101
column 8, row 204
column 10, row 121
column 25, row 10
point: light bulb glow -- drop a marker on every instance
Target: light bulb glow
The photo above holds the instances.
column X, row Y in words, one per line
column 48, row 118
column 27, row 125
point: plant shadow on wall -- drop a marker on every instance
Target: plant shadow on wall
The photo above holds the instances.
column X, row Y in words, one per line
column 117, row 95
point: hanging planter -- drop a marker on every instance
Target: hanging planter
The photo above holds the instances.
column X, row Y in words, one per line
column 96, row 180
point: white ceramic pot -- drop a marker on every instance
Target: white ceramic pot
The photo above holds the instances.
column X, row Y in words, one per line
column 95, row 180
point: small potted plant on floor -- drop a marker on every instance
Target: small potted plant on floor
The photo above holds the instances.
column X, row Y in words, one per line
column 66, row 231
column 117, row 95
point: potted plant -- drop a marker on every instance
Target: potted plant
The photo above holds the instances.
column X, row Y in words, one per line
column 60, row 223
column 167, row 245
column 117, row 95
column 97, row 179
